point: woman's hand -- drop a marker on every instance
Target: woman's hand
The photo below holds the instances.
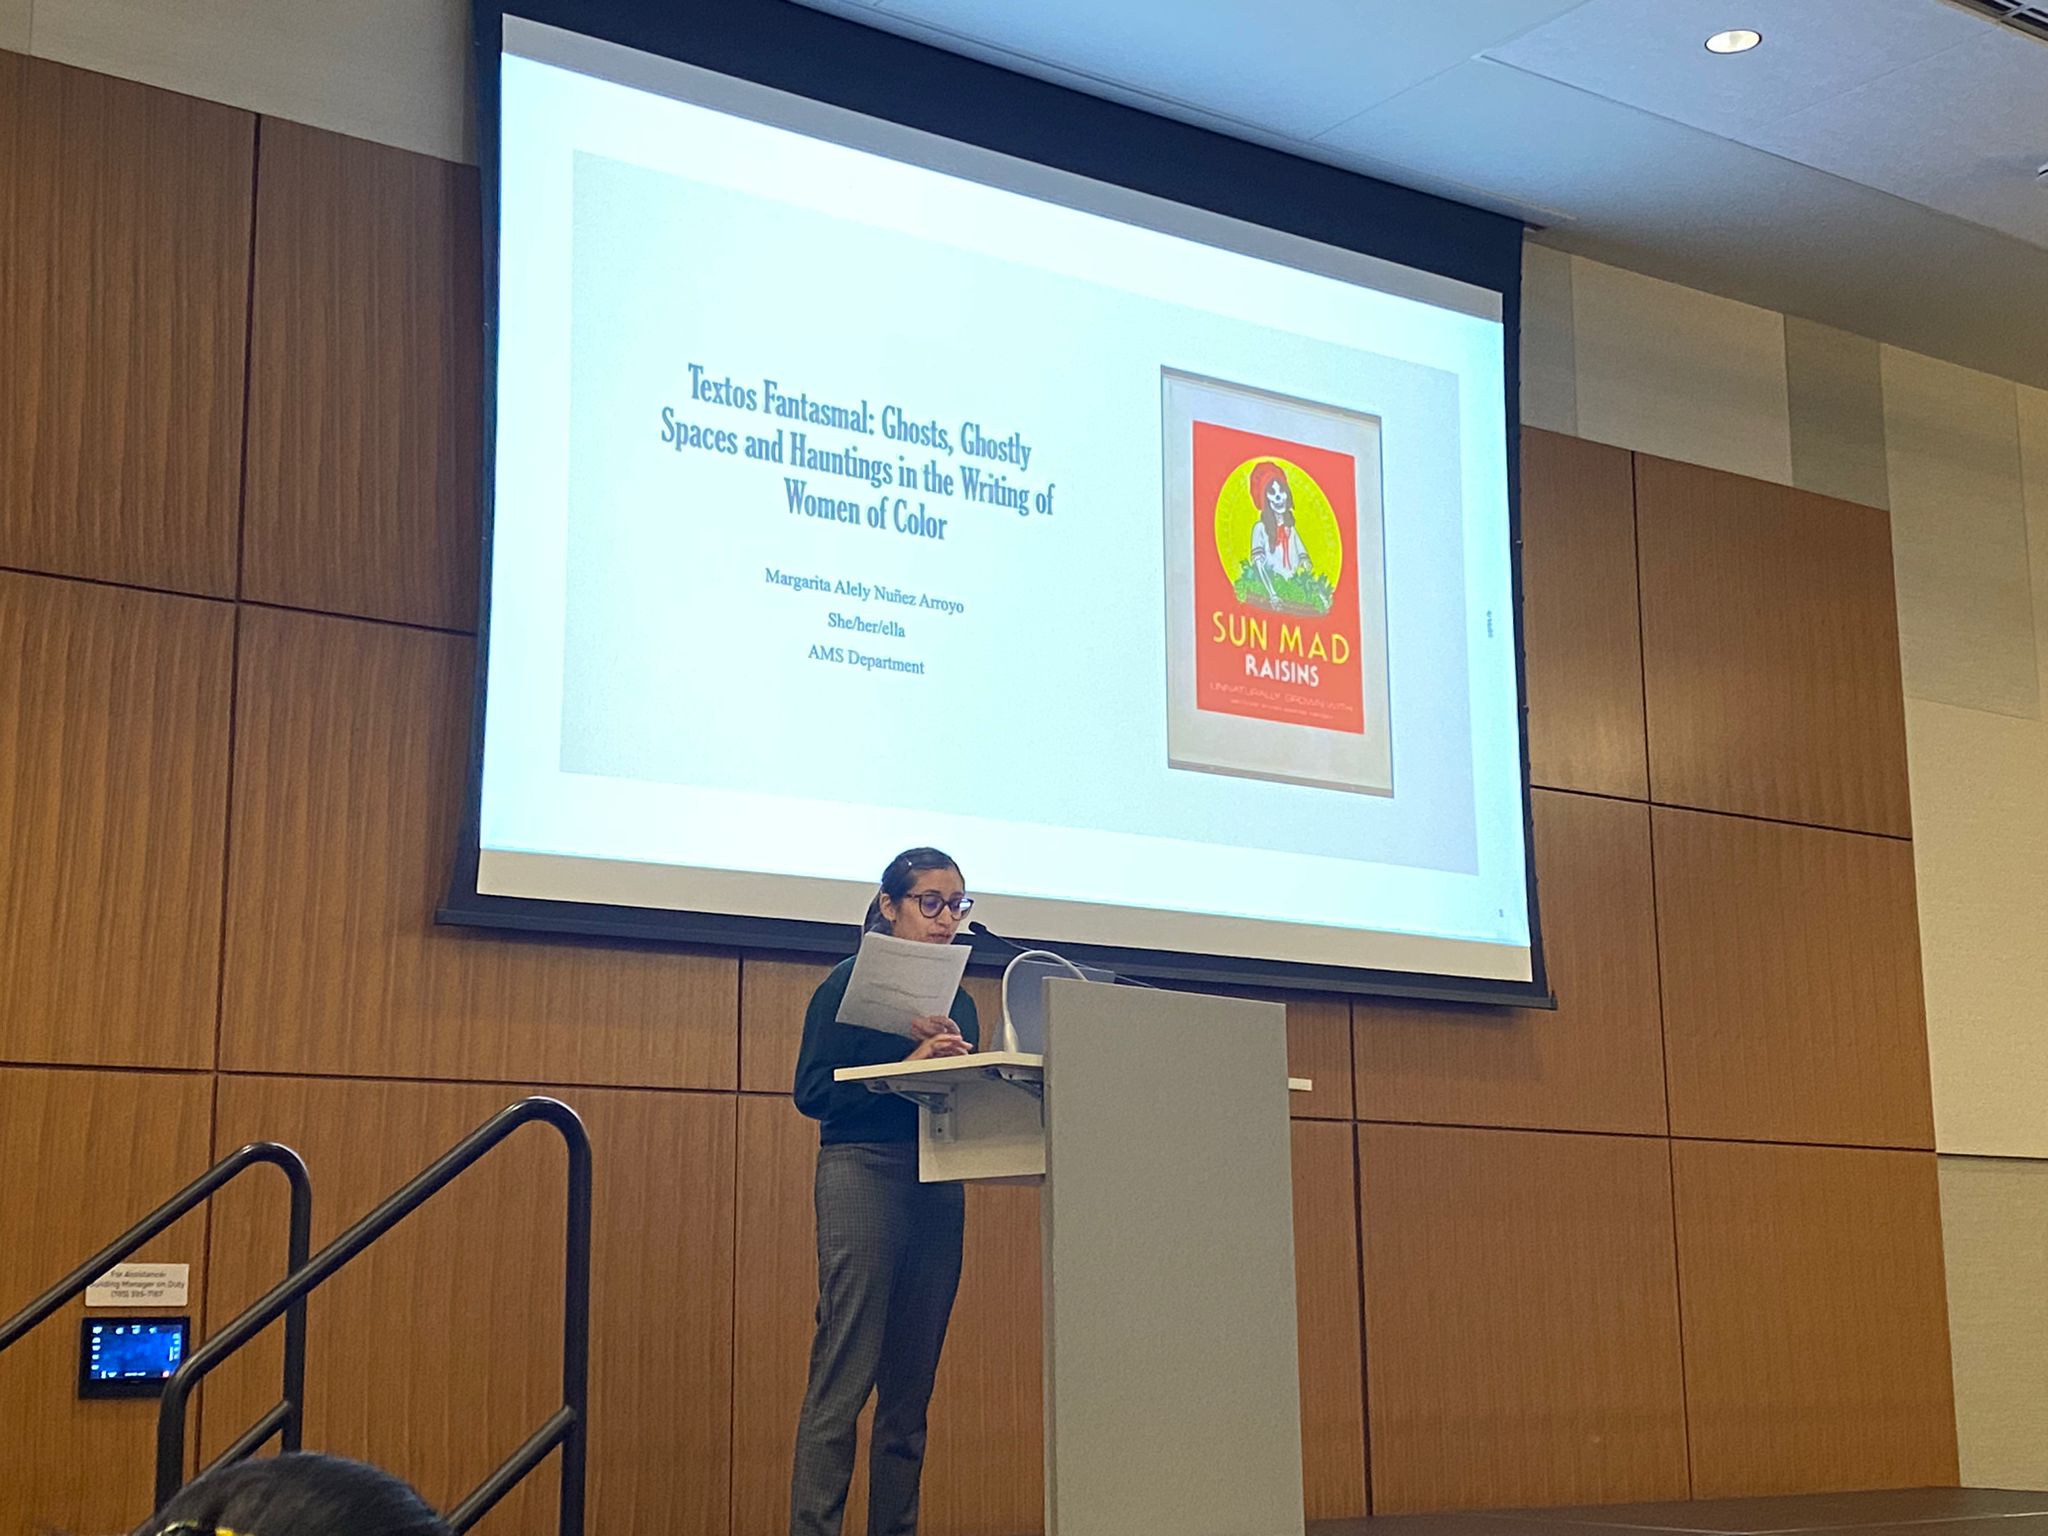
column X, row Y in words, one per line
column 934, row 1047
column 932, row 1024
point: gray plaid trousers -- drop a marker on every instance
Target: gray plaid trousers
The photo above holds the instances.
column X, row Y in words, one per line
column 888, row 1268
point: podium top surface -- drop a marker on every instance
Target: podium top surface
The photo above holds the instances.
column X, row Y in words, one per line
column 941, row 1067
column 938, row 1070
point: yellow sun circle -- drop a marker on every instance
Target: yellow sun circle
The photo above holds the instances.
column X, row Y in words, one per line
column 1236, row 513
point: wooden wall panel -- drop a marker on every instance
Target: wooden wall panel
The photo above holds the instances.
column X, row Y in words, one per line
column 1327, row 1303
column 1580, row 626
column 774, row 991
column 350, row 753
column 1593, row 1065
column 984, row 1461
column 437, row 1352
column 124, row 268
column 1791, row 961
column 775, row 1288
column 1816, row 1319
column 83, row 1154
column 985, row 1467
column 113, row 814
column 1521, row 1319
column 1770, row 651
column 365, row 386
column 1319, row 1049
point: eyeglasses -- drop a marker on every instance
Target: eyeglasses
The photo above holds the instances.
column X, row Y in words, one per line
column 929, row 903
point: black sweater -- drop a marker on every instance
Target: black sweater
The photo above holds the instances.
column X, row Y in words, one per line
column 851, row 1111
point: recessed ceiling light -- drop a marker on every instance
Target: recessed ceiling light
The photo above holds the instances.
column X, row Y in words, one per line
column 1741, row 40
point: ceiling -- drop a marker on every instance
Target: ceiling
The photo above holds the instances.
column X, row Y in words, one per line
column 1870, row 166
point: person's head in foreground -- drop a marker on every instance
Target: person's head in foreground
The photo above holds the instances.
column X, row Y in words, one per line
column 296, row 1495
column 922, row 897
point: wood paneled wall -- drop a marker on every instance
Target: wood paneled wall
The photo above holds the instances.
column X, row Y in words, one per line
column 124, row 272
column 1677, row 1235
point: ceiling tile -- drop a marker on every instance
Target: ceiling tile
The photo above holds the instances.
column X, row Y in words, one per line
column 1963, row 131
column 1654, row 56
column 1293, row 67
column 1634, row 186
column 1688, row 206
column 1526, row 137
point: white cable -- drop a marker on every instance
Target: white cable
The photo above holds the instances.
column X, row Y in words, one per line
column 1009, row 1024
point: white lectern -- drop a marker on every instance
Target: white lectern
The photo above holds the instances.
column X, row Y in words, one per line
column 1158, row 1121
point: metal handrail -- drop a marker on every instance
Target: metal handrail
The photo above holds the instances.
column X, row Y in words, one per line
column 287, row 1418
column 566, row 1428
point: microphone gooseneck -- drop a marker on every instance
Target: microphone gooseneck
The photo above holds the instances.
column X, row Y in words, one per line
column 982, row 930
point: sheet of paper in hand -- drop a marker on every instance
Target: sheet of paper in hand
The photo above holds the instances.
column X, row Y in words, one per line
column 896, row 980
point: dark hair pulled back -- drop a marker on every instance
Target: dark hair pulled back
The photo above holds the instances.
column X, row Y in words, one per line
column 899, row 877
column 299, row 1494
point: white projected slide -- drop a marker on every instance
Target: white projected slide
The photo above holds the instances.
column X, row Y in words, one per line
column 857, row 490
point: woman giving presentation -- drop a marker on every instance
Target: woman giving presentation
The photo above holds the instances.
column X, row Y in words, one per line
column 888, row 1245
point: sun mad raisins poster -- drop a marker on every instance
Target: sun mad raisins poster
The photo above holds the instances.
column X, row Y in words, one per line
column 1276, row 605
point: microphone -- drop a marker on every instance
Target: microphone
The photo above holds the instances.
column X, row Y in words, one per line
column 982, row 930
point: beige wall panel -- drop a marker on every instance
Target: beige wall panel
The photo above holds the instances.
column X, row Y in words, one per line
column 1581, row 629
column 113, row 812
column 1994, row 1242
column 1549, row 388
column 351, row 745
column 1521, row 1319
column 365, row 382
column 14, row 17
column 391, row 70
column 1981, row 844
column 1596, row 1064
column 1687, row 375
column 1770, row 651
column 1959, row 536
column 83, row 1155
column 1816, row 1332
column 1791, row 965
column 1980, row 847
column 124, row 237
column 2034, row 483
column 1835, row 388
column 436, row 1352
column 984, row 1462
column 1328, row 1313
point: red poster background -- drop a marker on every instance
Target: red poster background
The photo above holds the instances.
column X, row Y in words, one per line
column 1335, row 701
